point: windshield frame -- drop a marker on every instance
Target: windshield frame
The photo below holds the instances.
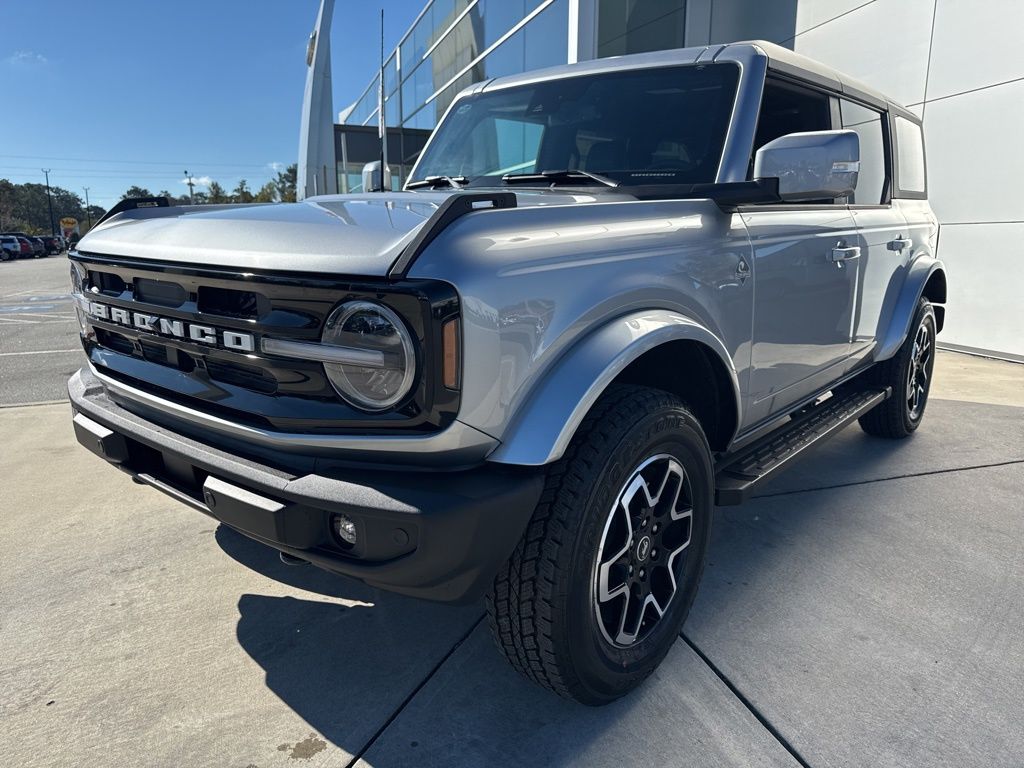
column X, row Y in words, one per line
column 642, row 176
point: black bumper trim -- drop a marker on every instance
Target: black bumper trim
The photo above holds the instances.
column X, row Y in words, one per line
column 438, row 536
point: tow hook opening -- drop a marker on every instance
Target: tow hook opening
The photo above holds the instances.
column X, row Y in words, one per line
column 291, row 559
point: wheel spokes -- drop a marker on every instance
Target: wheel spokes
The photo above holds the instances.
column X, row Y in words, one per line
column 646, row 531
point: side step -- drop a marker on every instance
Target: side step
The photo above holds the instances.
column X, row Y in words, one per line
column 737, row 475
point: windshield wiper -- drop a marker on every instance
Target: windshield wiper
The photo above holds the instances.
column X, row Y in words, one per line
column 433, row 182
column 554, row 177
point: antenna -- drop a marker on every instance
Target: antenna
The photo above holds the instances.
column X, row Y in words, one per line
column 382, row 130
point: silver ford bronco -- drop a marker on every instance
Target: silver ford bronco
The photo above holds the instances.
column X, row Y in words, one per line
column 611, row 296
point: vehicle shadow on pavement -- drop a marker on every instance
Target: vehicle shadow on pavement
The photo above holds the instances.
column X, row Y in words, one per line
column 346, row 662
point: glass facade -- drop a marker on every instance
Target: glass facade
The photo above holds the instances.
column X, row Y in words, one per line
column 638, row 26
column 453, row 44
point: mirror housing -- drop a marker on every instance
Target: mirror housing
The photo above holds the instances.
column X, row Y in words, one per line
column 372, row 177
column 817, row 165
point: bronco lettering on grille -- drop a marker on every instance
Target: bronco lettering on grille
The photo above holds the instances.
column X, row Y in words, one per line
column 179, row 329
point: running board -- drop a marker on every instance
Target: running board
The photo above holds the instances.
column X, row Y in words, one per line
column 737, row 475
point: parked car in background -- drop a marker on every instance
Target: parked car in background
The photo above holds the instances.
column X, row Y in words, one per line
column 10, row 248
column 53, row 244
column 26, row 248
column 38, row 247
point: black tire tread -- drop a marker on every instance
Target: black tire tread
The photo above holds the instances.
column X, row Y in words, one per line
column 520, row 605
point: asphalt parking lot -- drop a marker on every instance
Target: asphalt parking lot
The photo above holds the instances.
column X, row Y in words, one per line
column 866, row 609
column 39, row 345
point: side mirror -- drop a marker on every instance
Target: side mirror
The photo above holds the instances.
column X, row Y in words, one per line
column 372, row 181
column 819, row 165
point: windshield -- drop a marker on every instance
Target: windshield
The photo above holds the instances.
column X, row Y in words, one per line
column 661, row 126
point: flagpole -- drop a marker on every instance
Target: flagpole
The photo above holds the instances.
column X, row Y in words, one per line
column 382, row 127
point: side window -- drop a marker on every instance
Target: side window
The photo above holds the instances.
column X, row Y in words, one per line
column 868, row 125
column 910, row 153
column 789, row 108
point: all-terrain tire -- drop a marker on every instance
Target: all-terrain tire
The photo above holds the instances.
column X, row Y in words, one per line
column 543, row 606
column 909, row 371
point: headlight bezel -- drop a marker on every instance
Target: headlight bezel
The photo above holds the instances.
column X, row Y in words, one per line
column 340, row 375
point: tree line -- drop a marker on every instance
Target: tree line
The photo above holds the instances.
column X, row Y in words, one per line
column 280, row 189
column 24, row 208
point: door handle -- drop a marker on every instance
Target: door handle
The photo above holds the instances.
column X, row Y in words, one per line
column 843, row 254
column 900, row 243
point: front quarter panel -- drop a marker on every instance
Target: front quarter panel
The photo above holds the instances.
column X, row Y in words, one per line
column 535, row 281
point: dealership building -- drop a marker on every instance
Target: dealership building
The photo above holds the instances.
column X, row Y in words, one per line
column 957, row 64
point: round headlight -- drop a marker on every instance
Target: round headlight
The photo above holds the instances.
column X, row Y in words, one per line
column 386, row 377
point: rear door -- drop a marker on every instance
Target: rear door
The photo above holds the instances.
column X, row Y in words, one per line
column 882, row 232
column 804, row 300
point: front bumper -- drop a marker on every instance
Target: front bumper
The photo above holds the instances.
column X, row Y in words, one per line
column 439, row 536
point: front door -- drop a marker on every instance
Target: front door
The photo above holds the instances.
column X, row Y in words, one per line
column 805, row 272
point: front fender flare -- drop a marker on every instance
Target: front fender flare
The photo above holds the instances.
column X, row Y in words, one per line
column 918, row 274
column 549, row 417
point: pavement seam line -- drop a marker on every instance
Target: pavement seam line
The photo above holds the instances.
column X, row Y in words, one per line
column 747, row 703
column 405, row 702
column 40, row 352
column 33, row 405
column 1011, row 462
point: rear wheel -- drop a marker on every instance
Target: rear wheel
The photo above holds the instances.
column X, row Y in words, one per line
column 909, row 373
column 597, row 589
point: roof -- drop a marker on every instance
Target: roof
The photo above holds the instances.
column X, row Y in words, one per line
column 779, row 59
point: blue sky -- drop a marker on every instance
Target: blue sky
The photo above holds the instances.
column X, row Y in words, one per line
column 114, row 93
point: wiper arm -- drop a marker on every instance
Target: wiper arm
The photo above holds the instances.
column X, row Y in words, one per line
column 555, row 177
column 433, row 182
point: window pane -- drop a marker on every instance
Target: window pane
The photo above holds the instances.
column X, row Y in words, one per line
column 637, row 26
column 665, row 124
column 547, row 36
column 499, row 16
column 390, row 76
column 910, row 150
column 868, row 125
column 541, row 43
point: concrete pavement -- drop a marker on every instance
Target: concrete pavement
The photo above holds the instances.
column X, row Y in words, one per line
column 865, row 611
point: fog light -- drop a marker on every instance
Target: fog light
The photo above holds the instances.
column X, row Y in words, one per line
column 345, row 527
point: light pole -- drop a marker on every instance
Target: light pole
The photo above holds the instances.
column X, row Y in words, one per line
column 49, row 200
column 191, row 200
column 88, row 213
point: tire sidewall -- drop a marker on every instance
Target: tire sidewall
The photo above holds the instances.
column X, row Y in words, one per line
column 606, row 670
column 925, row 315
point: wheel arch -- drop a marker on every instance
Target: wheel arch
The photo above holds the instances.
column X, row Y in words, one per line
column 926, row 277
column 632, row 349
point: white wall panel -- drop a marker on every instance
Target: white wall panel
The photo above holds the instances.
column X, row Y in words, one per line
column 975, row 165
column 884, row 44
column 983, row 267
column 811, row 13
column 975, row 44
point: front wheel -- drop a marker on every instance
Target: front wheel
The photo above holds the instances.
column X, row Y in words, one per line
column 909, row 373
column 597, row 589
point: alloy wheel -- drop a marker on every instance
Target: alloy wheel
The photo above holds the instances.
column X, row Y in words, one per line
column 642, row 550
column 919, row 371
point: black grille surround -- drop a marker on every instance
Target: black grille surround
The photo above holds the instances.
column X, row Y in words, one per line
column 267, row 391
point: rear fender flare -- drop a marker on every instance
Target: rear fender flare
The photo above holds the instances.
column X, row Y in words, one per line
column 549, row 417
column 920, row 271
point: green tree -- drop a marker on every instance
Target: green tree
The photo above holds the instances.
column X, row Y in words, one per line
column 267, row 193
column 136, row 191
column 241, row 193
column 286, row 182
column 217, row 194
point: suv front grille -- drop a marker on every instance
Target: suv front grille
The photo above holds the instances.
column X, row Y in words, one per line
column 288, row 394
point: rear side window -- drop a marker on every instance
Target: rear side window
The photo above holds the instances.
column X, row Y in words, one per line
column 871, row 186
column 910, row 156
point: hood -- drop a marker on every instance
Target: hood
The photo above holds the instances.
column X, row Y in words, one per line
column 335, row 234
